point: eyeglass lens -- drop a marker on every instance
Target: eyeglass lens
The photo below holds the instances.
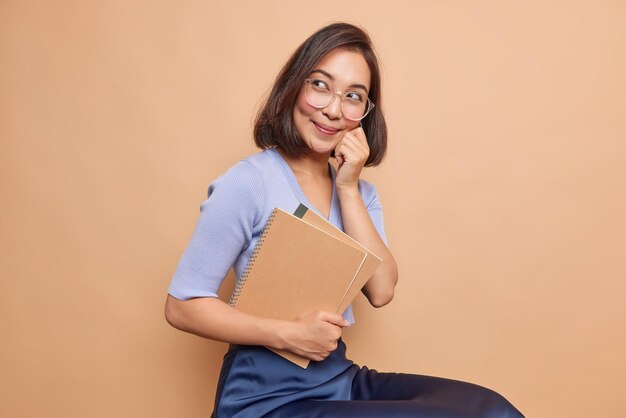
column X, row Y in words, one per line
column 355, row 104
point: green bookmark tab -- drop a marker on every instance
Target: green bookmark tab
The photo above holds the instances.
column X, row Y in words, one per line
column 300, row 211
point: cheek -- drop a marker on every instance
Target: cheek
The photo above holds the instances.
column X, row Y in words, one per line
column 350, row 124
column 301, row 116
column 302, row 107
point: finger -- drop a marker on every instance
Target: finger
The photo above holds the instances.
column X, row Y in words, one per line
column 334, row 318
column 359, row 133
column 359, row 141
column 352, row 150
column 350, row 141
column 342, row 153
column 339, row 157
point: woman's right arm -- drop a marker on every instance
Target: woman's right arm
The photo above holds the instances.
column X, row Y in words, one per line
column 313, row 335
column 228, row 218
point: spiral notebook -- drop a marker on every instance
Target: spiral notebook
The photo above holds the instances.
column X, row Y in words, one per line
column 298, row 266
column 369, row 265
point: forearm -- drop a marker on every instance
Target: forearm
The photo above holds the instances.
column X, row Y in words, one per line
column 358, row 224
column 211, row 318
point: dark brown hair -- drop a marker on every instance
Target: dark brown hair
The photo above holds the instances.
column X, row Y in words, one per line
column 274, row 124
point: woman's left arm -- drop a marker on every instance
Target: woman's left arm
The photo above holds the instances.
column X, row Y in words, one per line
column 351, row 153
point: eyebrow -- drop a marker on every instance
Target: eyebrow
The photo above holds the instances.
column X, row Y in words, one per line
column 327, row 74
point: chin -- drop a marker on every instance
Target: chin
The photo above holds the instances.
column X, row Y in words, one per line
column 322, row 147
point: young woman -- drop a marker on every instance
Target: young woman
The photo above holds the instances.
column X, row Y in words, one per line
column 326, row 102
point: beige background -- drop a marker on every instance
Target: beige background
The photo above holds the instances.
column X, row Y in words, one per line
column 504, row 194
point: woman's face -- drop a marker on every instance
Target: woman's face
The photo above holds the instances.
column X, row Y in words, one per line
column 321, row 129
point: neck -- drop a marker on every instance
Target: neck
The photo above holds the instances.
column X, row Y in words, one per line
column 314, row 165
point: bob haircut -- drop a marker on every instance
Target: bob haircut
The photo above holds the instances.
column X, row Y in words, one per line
column 274, row 126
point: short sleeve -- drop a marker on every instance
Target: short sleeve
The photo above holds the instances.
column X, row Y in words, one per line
column 374, row 207
column 224, row 229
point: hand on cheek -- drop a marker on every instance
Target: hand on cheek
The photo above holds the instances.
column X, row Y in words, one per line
column 351, row 153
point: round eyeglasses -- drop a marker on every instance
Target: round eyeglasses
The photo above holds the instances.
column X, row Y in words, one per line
column 355, row 104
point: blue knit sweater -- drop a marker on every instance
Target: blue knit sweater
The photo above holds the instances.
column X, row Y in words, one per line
column 231, row 219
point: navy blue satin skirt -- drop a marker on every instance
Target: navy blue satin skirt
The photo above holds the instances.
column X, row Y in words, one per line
column 255, row 382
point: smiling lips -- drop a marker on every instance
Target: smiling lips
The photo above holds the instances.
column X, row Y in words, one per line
column 326, row 130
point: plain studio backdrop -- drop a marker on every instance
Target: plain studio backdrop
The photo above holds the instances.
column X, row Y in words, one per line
column 503, row 193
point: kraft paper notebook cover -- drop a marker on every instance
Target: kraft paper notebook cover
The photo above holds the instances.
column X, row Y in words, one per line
column 296, row 268
column 371, row 262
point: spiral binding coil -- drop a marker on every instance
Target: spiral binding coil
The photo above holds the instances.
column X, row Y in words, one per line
column 244, row 276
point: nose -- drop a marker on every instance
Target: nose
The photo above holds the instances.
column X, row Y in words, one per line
column 333, row 110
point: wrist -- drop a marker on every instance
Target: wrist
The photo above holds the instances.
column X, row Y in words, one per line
column 282, row 334
column 348, row 191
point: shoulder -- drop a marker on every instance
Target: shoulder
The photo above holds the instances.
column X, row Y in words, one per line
column 261, row 159
column 246, row 174
column 369, row 193
column 242, row 176
column 240, row 189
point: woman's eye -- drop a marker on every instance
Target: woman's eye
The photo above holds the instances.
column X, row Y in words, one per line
column 356, row 97
column 319, row 84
